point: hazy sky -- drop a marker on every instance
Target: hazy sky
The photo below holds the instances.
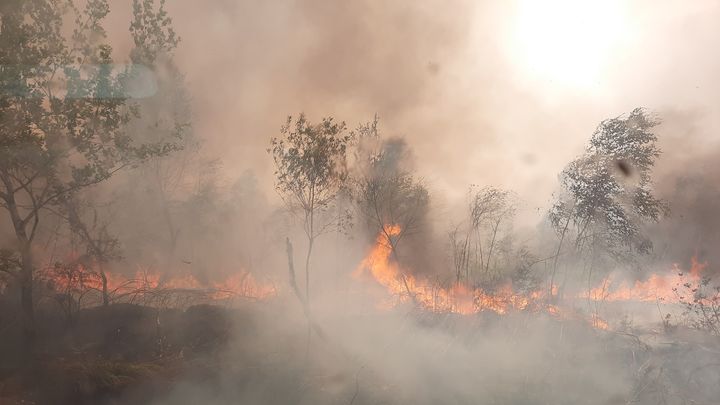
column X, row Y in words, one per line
column 493, row 92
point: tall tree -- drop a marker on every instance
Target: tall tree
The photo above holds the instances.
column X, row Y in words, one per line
column 64, row 109
column 310, row 173
column 607, row 192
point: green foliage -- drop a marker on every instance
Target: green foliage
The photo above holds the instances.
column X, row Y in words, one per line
column 65, row 110
column 63, row 106
column 310, row 167
column 152, row 32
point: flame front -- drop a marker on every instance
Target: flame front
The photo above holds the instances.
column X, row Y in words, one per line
column 456, row 299
column 461, row 299
column 656, row 287
column 79, row 279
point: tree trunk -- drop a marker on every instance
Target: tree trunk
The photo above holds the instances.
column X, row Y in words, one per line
column 27, row 309
column 105, row 295
column 492, row 246
column 557, row 256
column 296, row 290
column 393, row 252
column 307, row 270
column 26, row 300
column 466, row 258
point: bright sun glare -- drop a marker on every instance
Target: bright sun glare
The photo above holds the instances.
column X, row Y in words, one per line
column 568, row 42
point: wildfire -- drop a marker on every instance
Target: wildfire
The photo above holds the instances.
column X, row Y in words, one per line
column 598, row 323
column 79, row 280
column 456, row 299
column 657, row 287
column 464, row 300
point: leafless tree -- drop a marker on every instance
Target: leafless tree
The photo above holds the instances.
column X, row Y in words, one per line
column 475, row 242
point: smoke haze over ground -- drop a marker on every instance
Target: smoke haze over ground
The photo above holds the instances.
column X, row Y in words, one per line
column 416, row 295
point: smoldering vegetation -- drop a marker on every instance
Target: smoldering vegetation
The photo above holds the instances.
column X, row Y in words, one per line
column 402, row 241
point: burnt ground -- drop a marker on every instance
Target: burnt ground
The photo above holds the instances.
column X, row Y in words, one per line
column 259, row 353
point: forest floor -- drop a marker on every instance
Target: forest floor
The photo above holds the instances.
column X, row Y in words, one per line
column 258, row 353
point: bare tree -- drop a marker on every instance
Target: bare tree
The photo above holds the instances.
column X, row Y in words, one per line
column 474, row 242
column 701, row 303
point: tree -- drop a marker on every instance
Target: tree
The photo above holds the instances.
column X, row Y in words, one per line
column 474, row 244
column 389, row 198
column 101, row 246
column 167, row 176
column 64, row 109
column 310, row 173
column 607, row 192
column 9, row 267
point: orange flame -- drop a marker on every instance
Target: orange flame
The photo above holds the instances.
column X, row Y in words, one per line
column 464, row 300
column 78, row 279
column 656, row 287
column 456, row 299
column 598, row 322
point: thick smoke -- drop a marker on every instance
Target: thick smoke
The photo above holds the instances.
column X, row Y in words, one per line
column 441, row 75
column 449, row 92
column 687, row 177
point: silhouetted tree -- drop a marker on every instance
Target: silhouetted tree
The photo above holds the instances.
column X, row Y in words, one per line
column 64, row 110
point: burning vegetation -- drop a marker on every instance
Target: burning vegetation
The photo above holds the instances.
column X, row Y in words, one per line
column 675, row 287
column 89, row 288
column 138, row 266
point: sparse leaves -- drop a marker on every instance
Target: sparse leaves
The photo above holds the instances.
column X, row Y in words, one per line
column 477, row 243
column 310, row 168
column 607, row 192
column 310, row 174
column 701, row 302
